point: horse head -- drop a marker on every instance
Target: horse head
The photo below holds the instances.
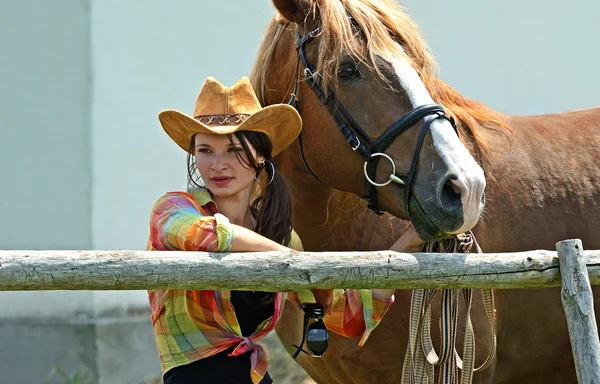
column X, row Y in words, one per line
column 371, row 126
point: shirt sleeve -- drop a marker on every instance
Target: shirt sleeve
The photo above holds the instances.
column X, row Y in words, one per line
column 177, row 223
column 295, row 242
column 355, row 313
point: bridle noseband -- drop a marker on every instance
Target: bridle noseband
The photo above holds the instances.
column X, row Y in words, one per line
column 371, row 151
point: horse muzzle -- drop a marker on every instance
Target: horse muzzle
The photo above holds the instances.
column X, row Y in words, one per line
column 454, row 206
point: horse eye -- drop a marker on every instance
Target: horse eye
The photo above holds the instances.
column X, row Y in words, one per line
column 348, row 71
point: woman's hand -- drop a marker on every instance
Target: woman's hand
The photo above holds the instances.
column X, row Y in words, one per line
column 325, row 298
column 293, row 298
column 409, row 242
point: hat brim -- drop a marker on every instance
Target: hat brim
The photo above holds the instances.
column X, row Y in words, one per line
column 280, row 122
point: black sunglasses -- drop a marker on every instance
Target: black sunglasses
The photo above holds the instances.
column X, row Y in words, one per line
column 315, row 334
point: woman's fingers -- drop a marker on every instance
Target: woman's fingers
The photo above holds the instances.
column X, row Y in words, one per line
column 293, row 298
column 322, row 296
column 408, row 242
column 325, row 298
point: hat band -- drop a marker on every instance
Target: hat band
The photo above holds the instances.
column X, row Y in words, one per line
column 224, row 119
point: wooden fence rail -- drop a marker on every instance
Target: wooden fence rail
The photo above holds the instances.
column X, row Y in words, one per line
column 280, row 271
column 572, row 267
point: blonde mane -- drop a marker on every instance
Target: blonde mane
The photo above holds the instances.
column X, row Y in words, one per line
column 364, row 29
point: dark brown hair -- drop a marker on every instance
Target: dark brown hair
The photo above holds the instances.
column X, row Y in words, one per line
column 273, row 204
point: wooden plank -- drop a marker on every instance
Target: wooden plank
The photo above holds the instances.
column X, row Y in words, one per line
column 279, row 271
column 578, row 304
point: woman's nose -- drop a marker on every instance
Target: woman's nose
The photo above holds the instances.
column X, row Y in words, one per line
column 218, row 162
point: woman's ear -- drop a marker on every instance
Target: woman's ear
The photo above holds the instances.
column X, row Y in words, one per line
column 294, row 11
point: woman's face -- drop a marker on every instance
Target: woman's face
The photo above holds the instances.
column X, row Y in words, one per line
column 218, row 163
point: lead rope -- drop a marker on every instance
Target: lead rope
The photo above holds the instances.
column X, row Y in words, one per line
column 421, row 358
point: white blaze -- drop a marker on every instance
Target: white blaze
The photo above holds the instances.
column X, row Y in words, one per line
column 471, row 180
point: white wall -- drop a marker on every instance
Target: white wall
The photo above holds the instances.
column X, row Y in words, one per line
column 44, row 110
column 45, row 174
column 519, row 57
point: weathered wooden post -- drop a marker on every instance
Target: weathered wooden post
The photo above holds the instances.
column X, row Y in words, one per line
column 578, row 304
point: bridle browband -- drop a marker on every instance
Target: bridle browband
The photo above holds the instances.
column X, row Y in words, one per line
column 359, row 141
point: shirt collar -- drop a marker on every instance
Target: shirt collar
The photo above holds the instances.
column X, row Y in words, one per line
column 203, row 197
column 201, row 194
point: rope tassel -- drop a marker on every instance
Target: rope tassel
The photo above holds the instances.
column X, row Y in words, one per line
column 421, row 357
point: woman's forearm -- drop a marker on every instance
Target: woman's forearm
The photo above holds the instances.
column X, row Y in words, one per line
column 245, row 240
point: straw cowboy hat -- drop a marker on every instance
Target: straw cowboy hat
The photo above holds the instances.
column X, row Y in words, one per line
column 224, row 110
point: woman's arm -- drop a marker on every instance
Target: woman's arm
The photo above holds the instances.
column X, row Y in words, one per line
column 177, row 223
column 245, row 240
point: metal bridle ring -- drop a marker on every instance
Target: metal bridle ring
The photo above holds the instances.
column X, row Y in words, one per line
column 393, row 170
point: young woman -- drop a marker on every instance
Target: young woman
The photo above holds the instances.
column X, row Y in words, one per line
column 236, row 201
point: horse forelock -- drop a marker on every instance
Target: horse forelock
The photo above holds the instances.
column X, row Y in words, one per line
column 364, row 29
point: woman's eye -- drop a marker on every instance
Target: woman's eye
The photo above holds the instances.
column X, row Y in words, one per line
column 234, row 149
column 203, row 150
column 348, row 71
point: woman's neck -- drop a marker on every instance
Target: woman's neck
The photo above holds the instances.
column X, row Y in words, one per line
column 236, row 208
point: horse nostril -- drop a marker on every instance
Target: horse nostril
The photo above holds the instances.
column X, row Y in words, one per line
column 450, row 195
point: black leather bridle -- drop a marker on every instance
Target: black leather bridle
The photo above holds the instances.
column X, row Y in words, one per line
column 359, row 141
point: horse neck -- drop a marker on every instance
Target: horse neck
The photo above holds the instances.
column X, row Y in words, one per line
column 328, row 219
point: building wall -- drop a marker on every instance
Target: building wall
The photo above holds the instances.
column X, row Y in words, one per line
column 45, row 174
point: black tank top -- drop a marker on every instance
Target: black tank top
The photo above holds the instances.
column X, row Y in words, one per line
column 249, row 310
column 223, row 369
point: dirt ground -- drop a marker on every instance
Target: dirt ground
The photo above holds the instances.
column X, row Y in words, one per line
column 282, row 368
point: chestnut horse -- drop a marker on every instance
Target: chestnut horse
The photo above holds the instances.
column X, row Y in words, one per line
column 360, row 67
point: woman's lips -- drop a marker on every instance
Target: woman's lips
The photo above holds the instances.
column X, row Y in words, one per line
column 221, row 181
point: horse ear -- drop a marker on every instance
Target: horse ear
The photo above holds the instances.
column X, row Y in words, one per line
column 293, row 10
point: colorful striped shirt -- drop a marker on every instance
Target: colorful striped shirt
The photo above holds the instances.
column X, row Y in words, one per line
column 193, row 324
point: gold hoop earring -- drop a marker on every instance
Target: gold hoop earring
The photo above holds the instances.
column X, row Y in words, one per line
column 262, row 165
column 272, row 171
